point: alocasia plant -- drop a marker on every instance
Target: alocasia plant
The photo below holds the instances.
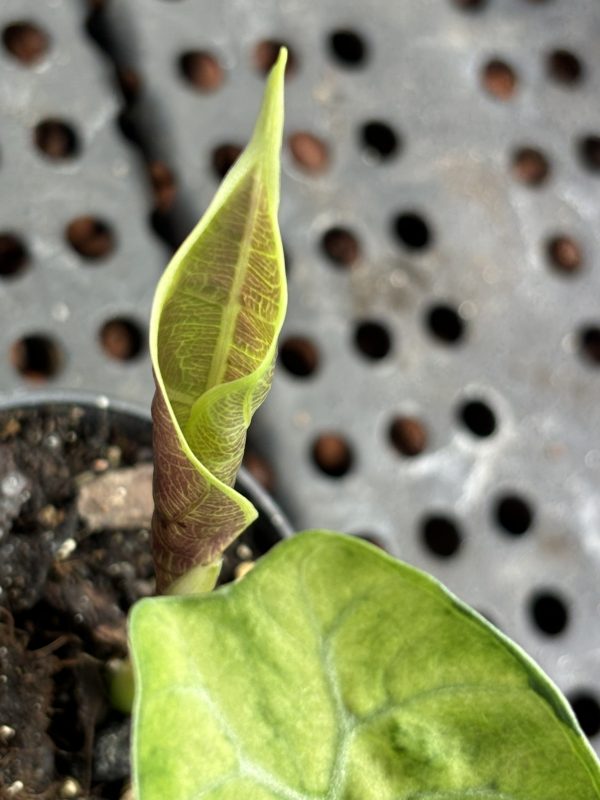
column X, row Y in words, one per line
column 332, row 671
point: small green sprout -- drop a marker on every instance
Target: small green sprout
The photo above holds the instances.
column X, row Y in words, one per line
column 331, row 671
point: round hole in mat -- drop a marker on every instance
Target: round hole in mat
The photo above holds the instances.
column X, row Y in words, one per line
column 513, row 514
column 309, row 152
column 564, row 254
column 299, row 356
column 589, row 152
column 408, row 435
column 341, row 246
column 378, row 140
column 478, row 418
column 91, row 237
column 372, row 339
column 25, row 41
column 441, row 536
column 13, row 255
column 121, row 338
column 412, row 230
column 499, row 79
column 445, row 324
column 589, row 344
column 549, row 612
column 37, row 357
column 348, row 48
column 564, row 67
column 332, row 455
column 201, row 70
column 530, row 166
column 56, row 139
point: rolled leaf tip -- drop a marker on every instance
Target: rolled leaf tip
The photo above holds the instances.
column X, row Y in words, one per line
column 217, row 313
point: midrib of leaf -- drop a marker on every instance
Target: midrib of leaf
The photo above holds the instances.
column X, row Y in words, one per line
column 219, row 362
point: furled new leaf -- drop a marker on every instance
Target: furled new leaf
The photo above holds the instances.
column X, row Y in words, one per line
column 333, row 671
column 217, row 312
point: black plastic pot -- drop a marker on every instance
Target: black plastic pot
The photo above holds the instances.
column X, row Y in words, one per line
column 101, row 413
column 66, row 590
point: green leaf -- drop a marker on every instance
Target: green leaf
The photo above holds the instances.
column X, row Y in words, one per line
column 333, row 671
column 217, row 313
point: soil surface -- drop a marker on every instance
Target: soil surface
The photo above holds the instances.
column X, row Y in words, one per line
column 65, row 589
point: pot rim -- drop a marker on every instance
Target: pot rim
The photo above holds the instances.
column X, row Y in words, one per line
column 101, row 402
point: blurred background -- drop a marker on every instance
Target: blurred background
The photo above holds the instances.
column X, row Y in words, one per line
column 438, row 387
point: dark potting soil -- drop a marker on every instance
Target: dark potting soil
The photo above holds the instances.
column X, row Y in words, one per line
column 64, row 595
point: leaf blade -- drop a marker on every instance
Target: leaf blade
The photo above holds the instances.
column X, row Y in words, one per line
column 377, row 685
column 216, row 316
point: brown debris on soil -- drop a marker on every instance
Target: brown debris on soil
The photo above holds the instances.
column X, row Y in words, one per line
column 121, row 498
column 26, row 751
